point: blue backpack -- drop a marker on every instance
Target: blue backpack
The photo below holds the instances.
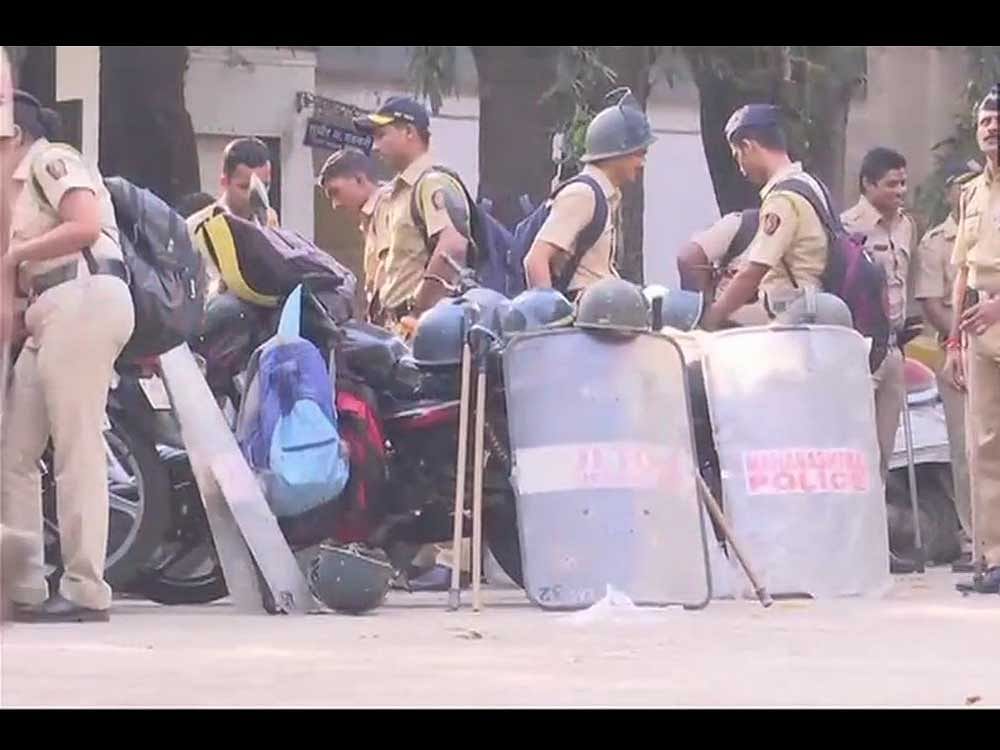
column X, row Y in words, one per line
column 529, row 227
column 287, row 426
column 490, row 238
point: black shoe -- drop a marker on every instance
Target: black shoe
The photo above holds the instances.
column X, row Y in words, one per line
column 437, row 578
column 900, row 565
column 58, row 609
column 987, row 583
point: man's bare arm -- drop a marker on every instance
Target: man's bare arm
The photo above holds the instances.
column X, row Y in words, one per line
column 738, row 293
column 538, row 264
column 695, row 270
column 450, row 244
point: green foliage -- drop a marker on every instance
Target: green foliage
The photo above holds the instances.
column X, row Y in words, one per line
column 983, row 71
column 432, row 73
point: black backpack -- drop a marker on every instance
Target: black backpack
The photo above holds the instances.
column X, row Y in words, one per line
column 490, row 239
column 166, row 272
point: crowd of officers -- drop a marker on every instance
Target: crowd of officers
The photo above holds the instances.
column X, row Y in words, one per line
column 411, row 229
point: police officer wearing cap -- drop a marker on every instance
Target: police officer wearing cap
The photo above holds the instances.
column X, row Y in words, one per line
column 973, row 346
column 348, row 181
column 65, row 248
column 423, row 205
column 617, row 142
column 934, row 280
column 788, row 253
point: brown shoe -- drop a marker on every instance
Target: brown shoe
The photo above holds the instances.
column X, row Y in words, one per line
column 58, row 609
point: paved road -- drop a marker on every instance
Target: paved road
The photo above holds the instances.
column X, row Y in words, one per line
column 923, row 645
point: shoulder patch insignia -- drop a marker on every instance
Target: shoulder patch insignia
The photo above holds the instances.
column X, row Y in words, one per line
column 56, row 169
column 770, row 223
column 437, row 199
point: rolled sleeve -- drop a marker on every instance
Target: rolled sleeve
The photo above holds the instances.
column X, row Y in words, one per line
column 769, row 248
column 58, row 171
column 572, row 210
column 715, row 240
column 436, row 190
column 929, row 280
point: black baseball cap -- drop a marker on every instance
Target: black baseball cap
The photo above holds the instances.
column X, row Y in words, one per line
column 395, row 109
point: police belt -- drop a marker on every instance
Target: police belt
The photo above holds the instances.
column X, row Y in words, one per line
column 43, row 282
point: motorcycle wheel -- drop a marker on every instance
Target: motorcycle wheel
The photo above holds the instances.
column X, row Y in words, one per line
column 139, row 514
column 502, row 536
column 939, row 524
column 192, row 576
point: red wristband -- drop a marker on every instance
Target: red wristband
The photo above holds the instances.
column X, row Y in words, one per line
column 953, row 344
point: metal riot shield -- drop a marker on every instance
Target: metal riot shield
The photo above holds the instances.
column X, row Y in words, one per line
column 244, row 529
column 794, row 422
column 603, row 469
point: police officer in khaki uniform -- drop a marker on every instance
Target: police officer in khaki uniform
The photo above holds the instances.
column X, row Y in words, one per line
column 421, row 207
column 348, row 180
column 890, row 235
column 617, row 142
column 64, row 246
column 421, row 232
column 934, row 280
column 712, row 257
column 788, row 254
column 977, row 294
column 244, row 161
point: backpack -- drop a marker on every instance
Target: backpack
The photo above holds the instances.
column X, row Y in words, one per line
column 490, row 238
column 529, row 227
column 262, row 265
column 287, row 426
column 749, row 224
column 356, row 514
column 851, row 273
column 166, row 275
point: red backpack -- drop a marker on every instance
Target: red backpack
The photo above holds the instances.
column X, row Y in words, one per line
column 851, row 273
column 354, row 517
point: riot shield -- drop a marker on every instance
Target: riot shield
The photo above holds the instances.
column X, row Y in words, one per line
column 603, row 469
column 794, row 422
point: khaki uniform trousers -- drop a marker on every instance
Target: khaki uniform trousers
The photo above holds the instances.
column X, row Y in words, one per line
column 890, row 390
column 983, row 415
column 59, row 389
column 954, row 414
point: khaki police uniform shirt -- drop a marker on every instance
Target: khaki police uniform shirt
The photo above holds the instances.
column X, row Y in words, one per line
column 409, row 252
column 572, row 210
column 791, row 237
column 715, row 240
column 934, row 277
column 374, row 228
column 891, row 245
column 977, row 240
column 46, row 173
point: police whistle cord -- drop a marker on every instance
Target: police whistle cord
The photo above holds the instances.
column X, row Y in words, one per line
column 717, row 515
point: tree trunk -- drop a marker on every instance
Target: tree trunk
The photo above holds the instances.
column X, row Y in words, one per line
column 146, row 131
column 719, row 98
column 516, row 125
